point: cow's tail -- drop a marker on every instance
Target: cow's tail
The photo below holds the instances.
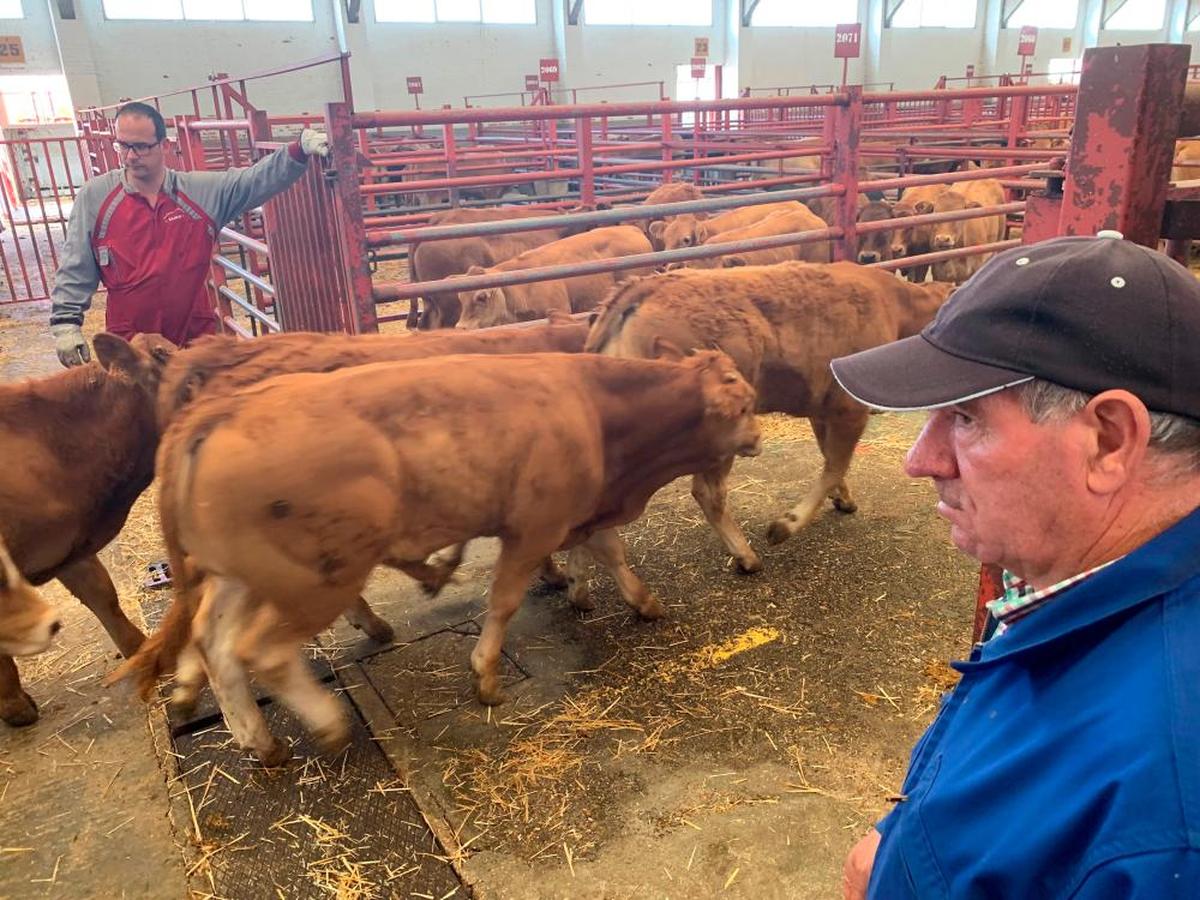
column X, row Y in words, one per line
column 160, row 652
column 611, row 314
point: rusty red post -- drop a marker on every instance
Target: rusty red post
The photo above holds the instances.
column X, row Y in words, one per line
column 451, row 148
column 667, row 152
column 991, row 586
column 347, row 209
column 583, row 143
column 1017, row 113
column 847, row 123
column 1126, row 121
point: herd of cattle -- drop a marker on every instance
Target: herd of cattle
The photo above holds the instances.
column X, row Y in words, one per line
column 290, row 466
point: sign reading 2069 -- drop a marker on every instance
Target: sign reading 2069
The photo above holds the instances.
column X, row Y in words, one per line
column 12, row 50
column 846, row 41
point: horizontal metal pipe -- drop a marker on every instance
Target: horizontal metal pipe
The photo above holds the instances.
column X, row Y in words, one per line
column 246, row 241
column 936, row 218
column 218, row 125
column 250, row 309
column 402, row 291
column 230, row 266
column 401, row 118
column 943, row 255
column 237, row 328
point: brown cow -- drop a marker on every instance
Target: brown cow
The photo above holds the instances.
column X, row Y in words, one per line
column 875, row 246
column 826, row 207
column 27, row 623
column 693, row 230
column 782, row 325
column 671, row 192
column 786, row 222
column 86, row 439
column 1186, row 164
column 550, row 451
column 486, row 307
column 967, row 232
column 436, row 260
column 915, row 240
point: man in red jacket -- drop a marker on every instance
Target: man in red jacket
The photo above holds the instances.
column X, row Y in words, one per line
column 147, row 232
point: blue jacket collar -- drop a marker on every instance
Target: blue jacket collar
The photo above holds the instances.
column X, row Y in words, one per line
column 1155, row 568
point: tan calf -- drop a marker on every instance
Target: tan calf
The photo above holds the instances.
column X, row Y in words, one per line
column 915, row 240
column 785, row 222
column 27, row 623
column 488, row 307
column 782, row 325
column 549, row 451
column 967, row 232
column 693, row 230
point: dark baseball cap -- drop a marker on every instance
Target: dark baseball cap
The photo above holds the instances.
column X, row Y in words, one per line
column 1089, row 313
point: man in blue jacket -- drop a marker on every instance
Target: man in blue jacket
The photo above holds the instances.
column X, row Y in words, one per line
column 1063, row 439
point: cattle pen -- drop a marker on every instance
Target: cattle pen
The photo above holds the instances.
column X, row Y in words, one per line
column 737, row 747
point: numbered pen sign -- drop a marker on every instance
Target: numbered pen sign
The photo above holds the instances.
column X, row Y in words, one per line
column 1027, row 42
column 548, row 70
column 701, row 47
column 847, row 39
column 531, row 83
column 697, row 66
column 970, row 71
column 414, row 84
column 12, row 50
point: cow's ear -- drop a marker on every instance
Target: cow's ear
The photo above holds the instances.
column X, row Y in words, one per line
column 701, row 232
column 656, row 229
column 116, row 355
column 973, row 204
column 476, row 270
column 668, row 350
column 924, row 208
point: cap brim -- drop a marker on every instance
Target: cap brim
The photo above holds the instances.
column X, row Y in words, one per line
column 912, row 374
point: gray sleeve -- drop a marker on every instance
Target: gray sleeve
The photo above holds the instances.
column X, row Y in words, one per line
column 77, row 276
column 226, row 195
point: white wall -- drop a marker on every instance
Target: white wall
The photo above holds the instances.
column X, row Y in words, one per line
column 107, row 60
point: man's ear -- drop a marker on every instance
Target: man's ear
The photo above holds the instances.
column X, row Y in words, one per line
column 1119, row 426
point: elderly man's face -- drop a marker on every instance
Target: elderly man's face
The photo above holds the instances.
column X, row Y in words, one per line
column 1011, row 490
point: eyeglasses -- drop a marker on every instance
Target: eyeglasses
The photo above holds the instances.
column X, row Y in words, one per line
column 124, row 148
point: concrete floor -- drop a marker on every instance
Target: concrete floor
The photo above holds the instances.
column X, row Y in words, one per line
column 738, row 747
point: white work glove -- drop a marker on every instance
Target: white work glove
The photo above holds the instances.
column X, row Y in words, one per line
column 314, row 142
column 70, row 344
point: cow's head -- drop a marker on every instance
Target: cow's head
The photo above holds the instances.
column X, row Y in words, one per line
column 27, row 623
column 949, row 235
column 682, row 231
column 875, row 246
column 900, row 235
column 729, row 400
column 483, row 307
column 141, row 360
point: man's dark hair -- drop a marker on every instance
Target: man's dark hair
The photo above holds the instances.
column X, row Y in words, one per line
column 145, row 109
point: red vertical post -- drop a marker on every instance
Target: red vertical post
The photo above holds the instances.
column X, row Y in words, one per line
column 847, row 123
column 991, row 586
column 451, row 148
column 349, row 230
column 583, row 143
column 1126, row 121
column 1018, row 110
column 667, row 137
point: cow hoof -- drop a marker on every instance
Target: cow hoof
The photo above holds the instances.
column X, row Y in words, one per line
column 778, row 532
column 379, row 631
column 333, row 740
column 749, row 565
column 183, row 701
column 20, row 711
column 555, row 580
column 845, row 506
column 651, row 610
column 274, row 756
column 489, row 691
column 581, row 598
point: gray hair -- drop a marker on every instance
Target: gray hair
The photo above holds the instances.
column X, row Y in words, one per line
column 1171, row 436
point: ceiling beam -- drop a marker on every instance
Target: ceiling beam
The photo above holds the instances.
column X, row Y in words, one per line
column 890, row 8
column 748, row 8
column 574, row 8
column 66, row 9
column 1110, row 9
column 1193, row 11
column 353, row 11
column 1008, row 10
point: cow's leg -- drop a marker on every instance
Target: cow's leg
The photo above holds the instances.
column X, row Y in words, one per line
column 88, row 580
column 609, row 550
column 362, row 617
column 578, row 593
column 221, row 622
column 432, row 578
column 710, row 490
column 190, row 677
column 514, row 568
column 919, row 273
column 840, row 493
column 16, row 707
column 842, row 431
column 275, row 653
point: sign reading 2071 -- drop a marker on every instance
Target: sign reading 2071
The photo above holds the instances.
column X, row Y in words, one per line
column 847, row 41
